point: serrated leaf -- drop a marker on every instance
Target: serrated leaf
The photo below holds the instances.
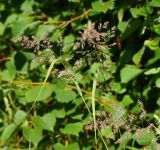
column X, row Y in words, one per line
column 31, row 94
column 100, row 6
column 33, row 135
column 8, row 131
column 129, row 72
column 70, row 127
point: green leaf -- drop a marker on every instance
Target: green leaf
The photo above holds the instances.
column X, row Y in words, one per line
column 2, row 28
column 122, row 26
column 72, row 128
column 152, row 71
column 44, row 30
column 144, row 136
column 69, row 41
column 1, row 93
column 118, row 88
column 129, row 72
column 125, row 137
column 132, row 26
column 154, row 3
column 153, row 44
column 58, row 113
column 74, row 1
column 11, row 69
column 79, row 116
column 49, row 121
column 59, row 146
column 20, row 25
column 120, row 15
column 137, row 12
column 19, row 117
column 138, row 56
column 127, row 100
column 158, row 83
column 4, row 75
column 156, row 57
column 65, row 95
column 26, row 7
column 107, row 132
column 100, row 6
column 31, row 94
column 46, row 122
column 2, row 6
column 8, row 131
column 119, row 113
column 33, row 135
column 10, row 72
column 156, row 28
column 11, row 19
column 73, row 146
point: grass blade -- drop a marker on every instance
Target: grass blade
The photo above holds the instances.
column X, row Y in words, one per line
column 45, row 80
column 93, row 105
column 81, row 95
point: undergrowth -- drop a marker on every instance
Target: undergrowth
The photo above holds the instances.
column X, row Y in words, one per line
column 109, row 121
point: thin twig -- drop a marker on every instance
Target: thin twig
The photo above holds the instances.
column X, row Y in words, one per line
column 64, row 23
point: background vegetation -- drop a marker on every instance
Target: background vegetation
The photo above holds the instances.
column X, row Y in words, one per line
column 79, row 74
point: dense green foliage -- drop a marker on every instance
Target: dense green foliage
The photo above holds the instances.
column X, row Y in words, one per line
column 45, row 88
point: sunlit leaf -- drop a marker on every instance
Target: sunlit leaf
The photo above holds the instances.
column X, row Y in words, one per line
column 70, row 127
column 143, row 137
column 32, row 93
column 19, row 117
column 129, row 72
column 33, row 135
column 8, row 131
column 100, row 6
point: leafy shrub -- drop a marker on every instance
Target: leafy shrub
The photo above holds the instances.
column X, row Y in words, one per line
column 60, row 60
